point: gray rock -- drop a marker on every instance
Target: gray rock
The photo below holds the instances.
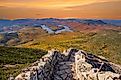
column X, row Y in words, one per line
column 71, row 65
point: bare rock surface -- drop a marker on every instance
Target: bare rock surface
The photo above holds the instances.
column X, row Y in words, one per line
column 72, row 64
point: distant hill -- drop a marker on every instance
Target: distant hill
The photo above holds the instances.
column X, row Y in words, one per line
column 20, row 31
column 14, row 25
column 115, row 22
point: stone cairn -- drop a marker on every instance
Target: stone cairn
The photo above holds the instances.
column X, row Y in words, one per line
column 72, row 64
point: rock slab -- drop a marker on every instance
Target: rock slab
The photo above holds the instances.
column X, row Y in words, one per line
column 72, row 64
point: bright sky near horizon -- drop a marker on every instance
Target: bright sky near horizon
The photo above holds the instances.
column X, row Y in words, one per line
column 101, row 9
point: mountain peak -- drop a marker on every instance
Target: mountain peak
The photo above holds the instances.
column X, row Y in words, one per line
column 72, row 64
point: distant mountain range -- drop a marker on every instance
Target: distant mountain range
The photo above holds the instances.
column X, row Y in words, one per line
column 14, row 25
column 34, row 22
column 115, row 22
column 23, row 29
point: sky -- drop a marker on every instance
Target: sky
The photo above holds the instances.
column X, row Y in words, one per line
column 96, row 9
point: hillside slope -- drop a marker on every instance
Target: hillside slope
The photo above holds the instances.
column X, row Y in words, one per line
column 72, row 64
column 106, row 42
column 12, row 60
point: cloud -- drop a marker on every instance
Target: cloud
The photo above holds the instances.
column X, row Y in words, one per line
column 47, row 3
column 98, row 10
column 112, row 4
column 61, row 9
column 2, row 6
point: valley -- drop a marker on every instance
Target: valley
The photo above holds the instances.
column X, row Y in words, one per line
column 24, row 41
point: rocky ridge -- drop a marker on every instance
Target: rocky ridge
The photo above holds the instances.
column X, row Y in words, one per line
column 72, row 64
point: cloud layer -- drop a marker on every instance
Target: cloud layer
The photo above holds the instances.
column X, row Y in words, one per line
column 60, row 8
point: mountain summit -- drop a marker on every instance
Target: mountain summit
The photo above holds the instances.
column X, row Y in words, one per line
column 72, row 64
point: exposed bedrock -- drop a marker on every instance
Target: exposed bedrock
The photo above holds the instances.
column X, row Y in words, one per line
column 72, row 64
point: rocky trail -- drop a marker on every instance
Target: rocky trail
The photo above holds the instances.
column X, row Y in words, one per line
column 72, row 64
